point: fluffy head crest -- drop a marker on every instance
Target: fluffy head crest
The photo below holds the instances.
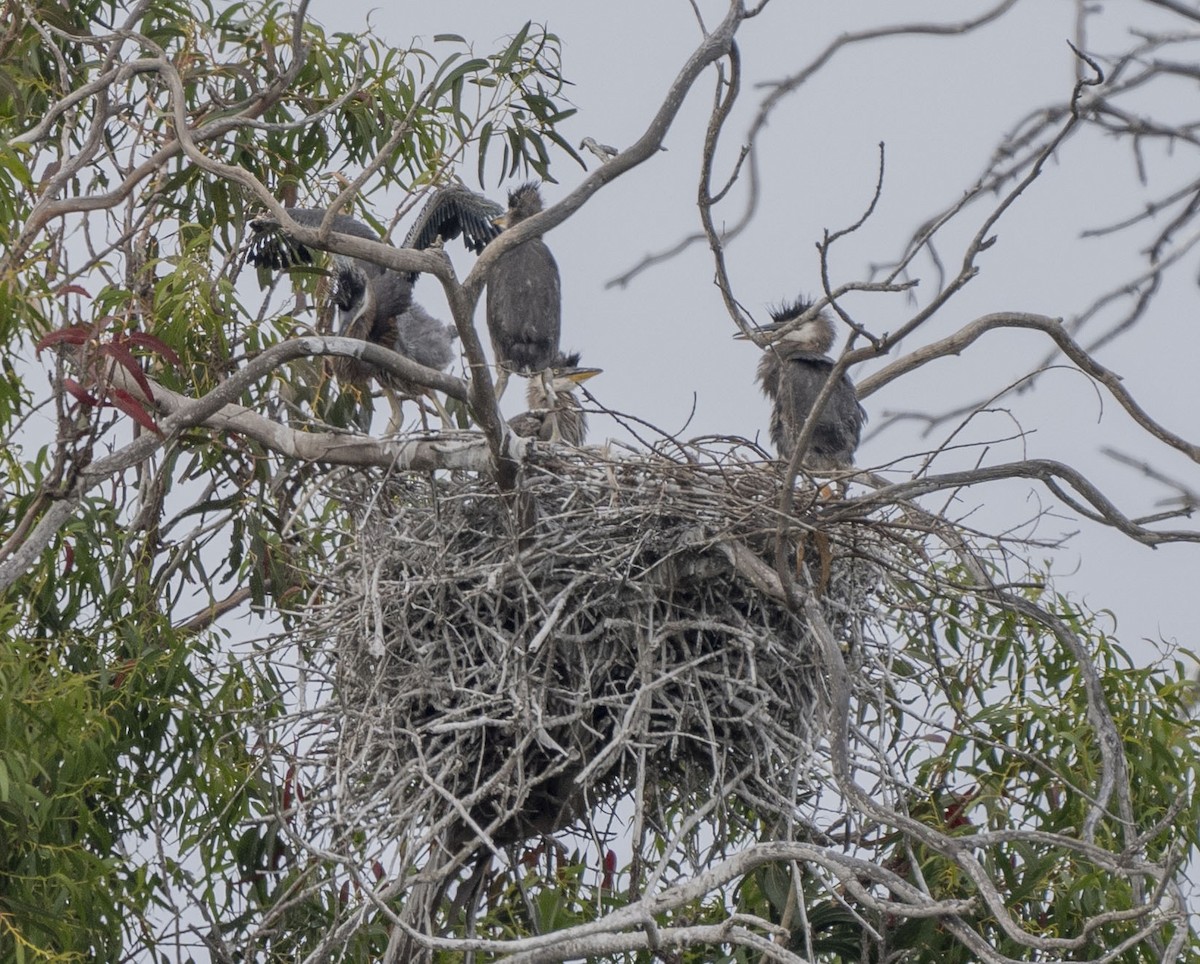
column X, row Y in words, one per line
column 524, row 201
column 789, row 311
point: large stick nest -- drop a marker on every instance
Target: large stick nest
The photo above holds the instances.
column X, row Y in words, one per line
column 505, row 664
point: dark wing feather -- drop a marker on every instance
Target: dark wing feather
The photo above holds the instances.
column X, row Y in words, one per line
column 454, row 210
column 272, row 248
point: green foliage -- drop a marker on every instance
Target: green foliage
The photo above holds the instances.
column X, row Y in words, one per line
column 137, row 759
column 1018, row 753
column 146, row 781
column 113, row 725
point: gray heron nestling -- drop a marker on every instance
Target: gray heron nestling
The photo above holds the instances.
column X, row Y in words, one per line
column 374, row 304
column 560, row 419
column 794, row 368
column 524, row 294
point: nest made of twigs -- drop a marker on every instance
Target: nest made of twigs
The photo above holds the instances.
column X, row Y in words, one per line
column 507, row 662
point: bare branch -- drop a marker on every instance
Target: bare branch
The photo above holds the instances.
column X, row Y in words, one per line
column 955, row 343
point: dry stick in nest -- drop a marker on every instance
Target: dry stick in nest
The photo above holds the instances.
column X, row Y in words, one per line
column 511, row 686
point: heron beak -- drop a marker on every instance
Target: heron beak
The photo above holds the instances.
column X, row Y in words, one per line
column 759, row 336
column 580, row 375
column 501, row 222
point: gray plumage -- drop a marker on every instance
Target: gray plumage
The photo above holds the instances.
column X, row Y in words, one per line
column 374, row 303
column 453, row 210
column 793, row 371
column 390, row 290
column 562, row 412
column 424, row 339
column 524, row 295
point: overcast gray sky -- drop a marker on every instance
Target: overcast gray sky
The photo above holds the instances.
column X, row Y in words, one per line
column 940, row 105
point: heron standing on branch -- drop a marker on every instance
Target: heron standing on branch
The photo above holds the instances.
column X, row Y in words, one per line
column 374, row 304
column 524, row 294
column 793, row 370
column 563, row 418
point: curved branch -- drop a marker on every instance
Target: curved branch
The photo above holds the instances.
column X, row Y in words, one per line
column 965, row 336
column 47, row 208
column 1045, row 470
column 217, row 410
column 714, row 46
column 626, row 924
column 781, row 89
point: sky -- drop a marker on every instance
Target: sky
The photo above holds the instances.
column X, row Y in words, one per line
column 940, row 106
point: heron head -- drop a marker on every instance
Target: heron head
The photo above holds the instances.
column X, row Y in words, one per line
column 795, row 326
column 570, row 377
column 524, row 202
column 352, row 293
column 569, row 372
column 566, row 373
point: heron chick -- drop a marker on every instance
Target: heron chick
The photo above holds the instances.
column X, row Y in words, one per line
column 793, row 370
column 524, row 299
column 374, row 304
column 524, row 293
column 560, row 419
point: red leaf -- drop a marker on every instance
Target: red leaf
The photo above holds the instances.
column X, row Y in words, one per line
column 73, row 290
column 955, row 814
column 69, row 550
column 286, row 802
column 377, row 870
column 80, row 393
column 142, row 340
column 121, row 354
column 134, row 409
column 72, row 335
column 610, row 869
column 122, row 671
column 277, row 853
column 344, row 894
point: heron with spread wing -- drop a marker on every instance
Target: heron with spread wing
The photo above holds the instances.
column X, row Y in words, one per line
column 524, row 293
column 374, row 304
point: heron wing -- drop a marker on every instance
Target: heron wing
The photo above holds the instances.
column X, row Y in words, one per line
column 272, row 248
column 453, row 210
